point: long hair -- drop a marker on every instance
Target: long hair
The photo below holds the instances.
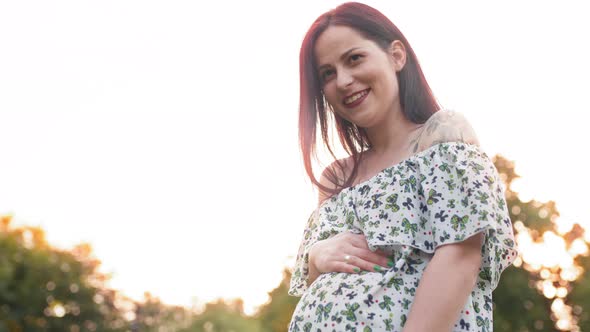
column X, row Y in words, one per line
column 416, row 98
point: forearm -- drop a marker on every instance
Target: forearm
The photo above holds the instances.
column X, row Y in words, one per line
column 444, row 288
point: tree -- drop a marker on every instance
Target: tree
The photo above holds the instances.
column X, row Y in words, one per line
column 223, row 316
column 533, row 295
column 46, row 289
column 276, row 314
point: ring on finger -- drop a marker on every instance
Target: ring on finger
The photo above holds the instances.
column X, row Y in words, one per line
column 347, row 258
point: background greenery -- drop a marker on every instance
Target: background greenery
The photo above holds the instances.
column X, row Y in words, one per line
column 43, row 288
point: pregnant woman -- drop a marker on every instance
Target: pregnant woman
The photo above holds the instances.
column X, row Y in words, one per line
column 412, row 229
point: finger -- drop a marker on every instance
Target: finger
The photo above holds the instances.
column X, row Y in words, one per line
column 373, row 257
column 364, row 264
column 346, row 268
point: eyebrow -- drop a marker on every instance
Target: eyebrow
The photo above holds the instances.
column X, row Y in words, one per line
column 344, row 55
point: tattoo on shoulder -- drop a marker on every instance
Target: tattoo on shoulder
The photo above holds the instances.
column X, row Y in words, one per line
column 446, row 126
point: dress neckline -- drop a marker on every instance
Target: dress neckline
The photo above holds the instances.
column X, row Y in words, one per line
column 373, row 177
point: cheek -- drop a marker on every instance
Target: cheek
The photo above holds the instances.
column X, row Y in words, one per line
column 330, row 96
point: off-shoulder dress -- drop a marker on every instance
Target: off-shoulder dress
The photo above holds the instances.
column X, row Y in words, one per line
column 441, row 195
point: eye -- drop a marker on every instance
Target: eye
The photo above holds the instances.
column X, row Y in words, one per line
column 326, row 74
column 355, row 57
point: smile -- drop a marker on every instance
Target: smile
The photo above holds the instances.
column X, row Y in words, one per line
column 355, row 99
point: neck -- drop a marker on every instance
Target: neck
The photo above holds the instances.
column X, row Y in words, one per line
column 392, row 135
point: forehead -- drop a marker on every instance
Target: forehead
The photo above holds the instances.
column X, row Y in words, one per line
column 336, row 40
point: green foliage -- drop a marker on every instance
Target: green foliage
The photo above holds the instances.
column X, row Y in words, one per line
column 518, row 306
column 580, row 296
column 223, row 316
column 276, row 314
column 45, row 289
column 154, row 316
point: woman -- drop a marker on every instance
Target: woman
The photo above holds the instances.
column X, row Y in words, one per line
column 412, row 230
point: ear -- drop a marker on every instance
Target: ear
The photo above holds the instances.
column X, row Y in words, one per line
column 397, row 53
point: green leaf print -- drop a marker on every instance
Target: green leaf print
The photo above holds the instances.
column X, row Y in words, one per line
column 481, row 285
column 363, row 220
column 410, row 291
column 486, row 274
column 409, row 227
column 423, row 222
column 459, row 222
column 395, row 283
column 323, row 311
column 367, row 329
column 483, row 323
column 482, row 197
column 433, row 197
column 445, row 168
column 445, row 236
column 450, row 184
column 388, row 324
column 488, row 303
column 477, row 167
column 476, row 307
column 307, row 327
column 409, row 184
column 386, row 303
column 324, row 235
column 422, row 178
column 501, row 203
column 460, row 172
column 376, row 198
column 349, row 312
column 395, row 231
column 483, row 215
column 403, row 320
column 406, row 303
column 465, row 201
column 350, row 216
column 392, row 203
column 375, row 223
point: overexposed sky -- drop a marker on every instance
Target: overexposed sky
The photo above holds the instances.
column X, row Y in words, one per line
column 165, row 132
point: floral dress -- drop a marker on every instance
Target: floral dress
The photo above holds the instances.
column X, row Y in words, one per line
column 441, row 195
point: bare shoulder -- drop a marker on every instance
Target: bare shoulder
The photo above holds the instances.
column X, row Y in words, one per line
column 336, row 172
column 446, row 126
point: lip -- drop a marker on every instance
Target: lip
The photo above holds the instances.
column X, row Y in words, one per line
column 358, row 101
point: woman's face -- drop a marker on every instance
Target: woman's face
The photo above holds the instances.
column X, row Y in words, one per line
column 358, row 77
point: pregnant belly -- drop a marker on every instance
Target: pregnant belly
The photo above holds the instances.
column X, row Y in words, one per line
column 336, row 300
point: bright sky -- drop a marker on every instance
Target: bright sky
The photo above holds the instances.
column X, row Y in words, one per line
column 165, row 133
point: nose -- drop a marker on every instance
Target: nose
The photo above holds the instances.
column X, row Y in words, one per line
column 344, row 79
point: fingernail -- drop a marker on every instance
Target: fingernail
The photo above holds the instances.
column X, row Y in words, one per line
column 377, row 268
column 356, row 269
column 390, row 262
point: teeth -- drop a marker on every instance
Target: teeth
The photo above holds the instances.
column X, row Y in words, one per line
column 355, row 97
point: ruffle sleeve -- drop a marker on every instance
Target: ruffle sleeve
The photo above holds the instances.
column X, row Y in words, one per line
column 443, row 195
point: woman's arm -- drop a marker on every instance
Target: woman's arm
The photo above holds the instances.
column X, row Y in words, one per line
column 445, row 286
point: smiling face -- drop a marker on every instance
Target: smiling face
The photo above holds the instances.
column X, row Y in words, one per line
column 358, row 77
